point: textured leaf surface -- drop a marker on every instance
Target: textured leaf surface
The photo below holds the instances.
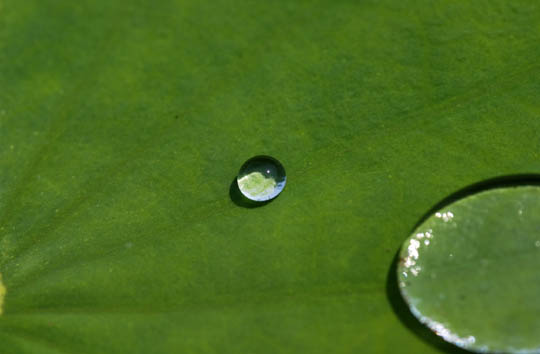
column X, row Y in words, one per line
column 123, row 123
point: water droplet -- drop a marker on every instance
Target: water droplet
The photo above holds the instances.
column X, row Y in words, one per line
column 261, row 178
column 484, row 296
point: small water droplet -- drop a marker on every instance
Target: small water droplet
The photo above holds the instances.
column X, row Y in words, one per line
column 261, row 178
column 537, row 243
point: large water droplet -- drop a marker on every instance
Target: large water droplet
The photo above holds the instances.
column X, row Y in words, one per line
column 261, row 178
column 476, row 283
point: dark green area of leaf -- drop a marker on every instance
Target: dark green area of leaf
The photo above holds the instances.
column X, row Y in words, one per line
column 122, row 124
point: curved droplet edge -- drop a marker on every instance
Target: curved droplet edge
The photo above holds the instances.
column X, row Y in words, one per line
column 503, row 181
column 437, row 328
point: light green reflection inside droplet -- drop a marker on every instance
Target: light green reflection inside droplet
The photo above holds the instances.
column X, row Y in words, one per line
column 257, row 186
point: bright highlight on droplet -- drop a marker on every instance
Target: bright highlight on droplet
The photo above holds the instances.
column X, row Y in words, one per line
column 261, row 178
column 471, row 271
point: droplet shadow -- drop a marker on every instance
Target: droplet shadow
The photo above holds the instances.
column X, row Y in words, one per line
column 401, row 309
column 240, row 200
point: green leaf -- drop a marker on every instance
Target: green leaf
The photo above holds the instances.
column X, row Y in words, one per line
column 123, row 123
column 470, row 271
